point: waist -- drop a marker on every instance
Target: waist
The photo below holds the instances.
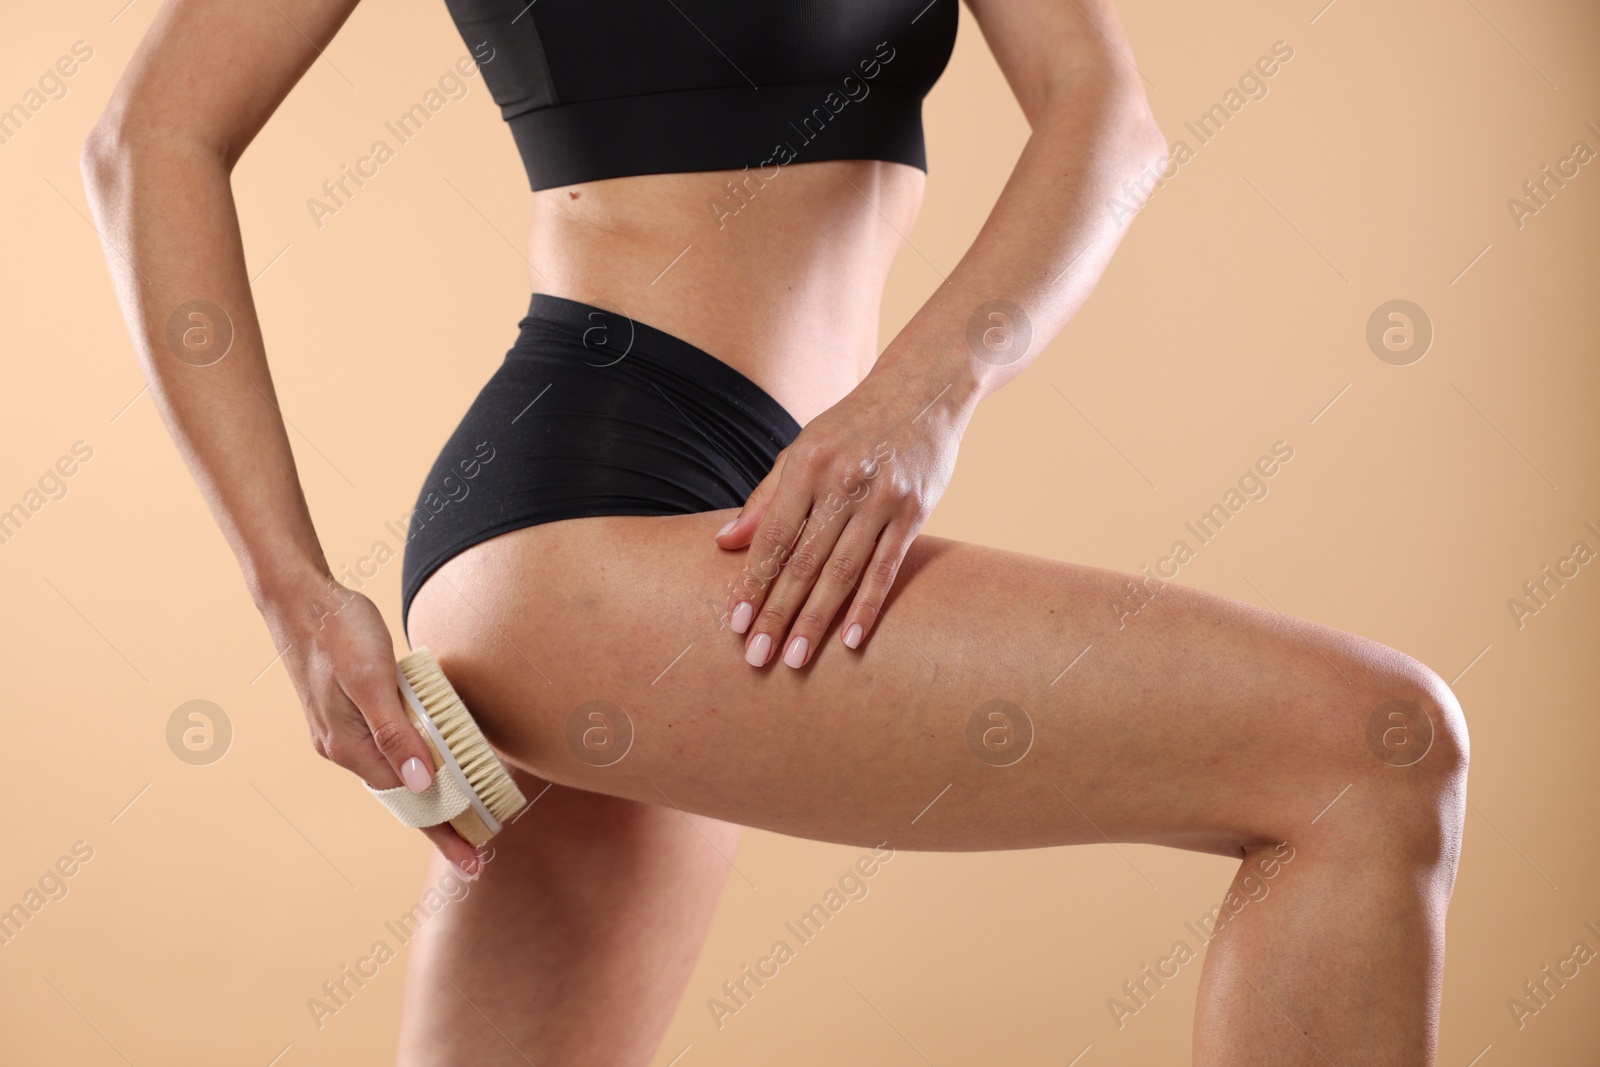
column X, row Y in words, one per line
column 780, row 274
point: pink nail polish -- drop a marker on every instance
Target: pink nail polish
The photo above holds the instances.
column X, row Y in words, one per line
column 760, row 648
column 852, row 636
column 416, row 775
column 742, row 614
column 728, row 527
column 796, row 656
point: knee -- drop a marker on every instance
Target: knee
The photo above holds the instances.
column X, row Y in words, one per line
column 1417, row 750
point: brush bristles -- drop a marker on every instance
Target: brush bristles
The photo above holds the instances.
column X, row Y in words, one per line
column 484, row 771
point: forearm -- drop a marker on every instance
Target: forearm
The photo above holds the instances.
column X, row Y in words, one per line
column 1042, row 248
column 168, row 223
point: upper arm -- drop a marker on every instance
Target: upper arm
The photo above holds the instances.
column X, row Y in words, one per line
column 211, row 72
column 1047, row 46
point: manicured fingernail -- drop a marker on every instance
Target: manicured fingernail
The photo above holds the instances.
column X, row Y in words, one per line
column 796, row 656
column 416, row 775
column 471, row 869
column 742, row 614
column 852, row 636
column 756, row 655
column 728, row 527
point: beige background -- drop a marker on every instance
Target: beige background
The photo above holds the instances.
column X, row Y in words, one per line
column 1377, row 167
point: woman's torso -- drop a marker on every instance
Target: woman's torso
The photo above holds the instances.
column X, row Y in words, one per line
column 783, row 282
column 737, row 175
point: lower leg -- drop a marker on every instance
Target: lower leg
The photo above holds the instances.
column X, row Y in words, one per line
column 1329, row 949
column 576, row 943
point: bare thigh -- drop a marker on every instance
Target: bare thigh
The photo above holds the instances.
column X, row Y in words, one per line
column 576, row 944
column 1000, row 703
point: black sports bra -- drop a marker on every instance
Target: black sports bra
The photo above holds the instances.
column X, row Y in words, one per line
column 606, row 88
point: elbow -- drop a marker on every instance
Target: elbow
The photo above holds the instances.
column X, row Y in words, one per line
column 1140, row 136
column 1145, row 132
column 1131, row 127
column 1107, row 97
column 117, row 145
column 95, row 152
column 1135, row 123
column 1149, row 147
column 103, row 156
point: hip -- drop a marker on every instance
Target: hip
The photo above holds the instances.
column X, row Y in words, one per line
column 592, row 413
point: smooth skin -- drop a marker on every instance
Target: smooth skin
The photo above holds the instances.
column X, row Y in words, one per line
column 1202, row 723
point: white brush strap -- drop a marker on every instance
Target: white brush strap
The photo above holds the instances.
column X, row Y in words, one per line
column 450, row 793
column 440, row 802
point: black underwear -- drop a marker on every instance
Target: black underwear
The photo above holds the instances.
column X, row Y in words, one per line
column 592, row 413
